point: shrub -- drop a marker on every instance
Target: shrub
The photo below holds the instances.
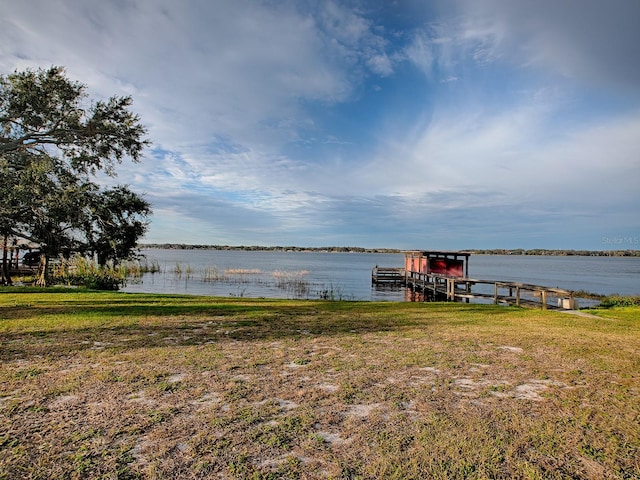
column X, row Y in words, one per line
column 620, row 301
column 102, row 281
column 80, row 271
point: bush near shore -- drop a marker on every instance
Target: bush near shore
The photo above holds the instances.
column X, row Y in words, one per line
column 114, row 385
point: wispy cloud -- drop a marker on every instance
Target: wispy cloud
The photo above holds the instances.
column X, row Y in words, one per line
column 590, row 43
column 411, row 124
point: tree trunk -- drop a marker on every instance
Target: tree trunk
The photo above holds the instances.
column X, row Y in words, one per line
column 5, row 278
column 43, row 270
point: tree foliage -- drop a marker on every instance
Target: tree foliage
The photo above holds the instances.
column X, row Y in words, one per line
column 53, row 142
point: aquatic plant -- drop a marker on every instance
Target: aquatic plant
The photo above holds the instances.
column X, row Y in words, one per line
column 211, row 274
column 292, row 282
column 82, row 271
column 331, row 293
column 620, row 301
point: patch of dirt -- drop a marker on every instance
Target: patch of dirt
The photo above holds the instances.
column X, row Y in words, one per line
column 286, row 404
column 582, row 314
column 178, row 377
column 429, row 369
column 362, row 410
column 296, row 365
column 511, row 349
column 330, row 438
column 137, row 452
column 64, row 401
column 328, row 387
column 207, row 399
column 533, row 390
column 141, row 398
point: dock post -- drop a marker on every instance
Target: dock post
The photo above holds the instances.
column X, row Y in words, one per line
column 573, row 304
column 518, row 296
column 495, row 293
column 544, row 299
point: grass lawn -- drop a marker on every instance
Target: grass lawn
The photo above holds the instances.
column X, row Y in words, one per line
column 115, row 385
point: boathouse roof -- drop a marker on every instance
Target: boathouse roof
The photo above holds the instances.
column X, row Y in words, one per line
column 437, row 253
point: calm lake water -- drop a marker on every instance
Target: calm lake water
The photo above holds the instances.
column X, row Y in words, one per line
column 347, row 276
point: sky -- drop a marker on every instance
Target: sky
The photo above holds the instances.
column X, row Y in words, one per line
column 411, row 124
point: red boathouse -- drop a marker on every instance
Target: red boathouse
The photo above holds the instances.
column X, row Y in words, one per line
column 451, row 264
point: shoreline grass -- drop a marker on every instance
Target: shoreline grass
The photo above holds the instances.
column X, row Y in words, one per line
column 117, row 385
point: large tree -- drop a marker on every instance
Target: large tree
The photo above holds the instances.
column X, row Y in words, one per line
column 115, row 223
column 53, row 142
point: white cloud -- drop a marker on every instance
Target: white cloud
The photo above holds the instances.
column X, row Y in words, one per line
column 420, row 53
column 230, row 88
column 381, row 64
column 518, row 154
column 590, row 41
column 227, row 68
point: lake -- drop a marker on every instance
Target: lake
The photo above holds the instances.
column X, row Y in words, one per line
column 347, row 276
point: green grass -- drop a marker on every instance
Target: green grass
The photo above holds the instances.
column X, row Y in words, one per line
column 115, row 385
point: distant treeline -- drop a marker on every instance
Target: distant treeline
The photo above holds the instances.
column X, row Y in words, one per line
column 560, row 253
column 499, row 251
column 259, row 248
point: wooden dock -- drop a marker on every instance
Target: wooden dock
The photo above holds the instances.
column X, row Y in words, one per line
column 388, row 276
column 432, row 286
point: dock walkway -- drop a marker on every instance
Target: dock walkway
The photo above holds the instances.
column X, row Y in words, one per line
column 435, row 286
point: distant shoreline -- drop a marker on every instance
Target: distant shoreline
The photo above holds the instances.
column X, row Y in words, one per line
column 498, row 251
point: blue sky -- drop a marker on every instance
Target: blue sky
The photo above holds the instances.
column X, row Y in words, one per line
column 402, row 124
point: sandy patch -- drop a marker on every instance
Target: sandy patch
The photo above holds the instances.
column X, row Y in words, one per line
column 511, row 349
column 429, row 369
column 534, row 389
column 274, row 462
column 207, row 399
column 477, row 367
column 137, row 452
column 295, row 365
column 362, row 410
column 409, row 407
column 286, row 404
column 330, row 438
column 582, row 314
column 178, row 377
column 466, row 383
column 593, row 468
column 64, row 401
column 141, row 398
column 328, row 387
column 530, row 391
column 415, row 380
column 182, row 447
